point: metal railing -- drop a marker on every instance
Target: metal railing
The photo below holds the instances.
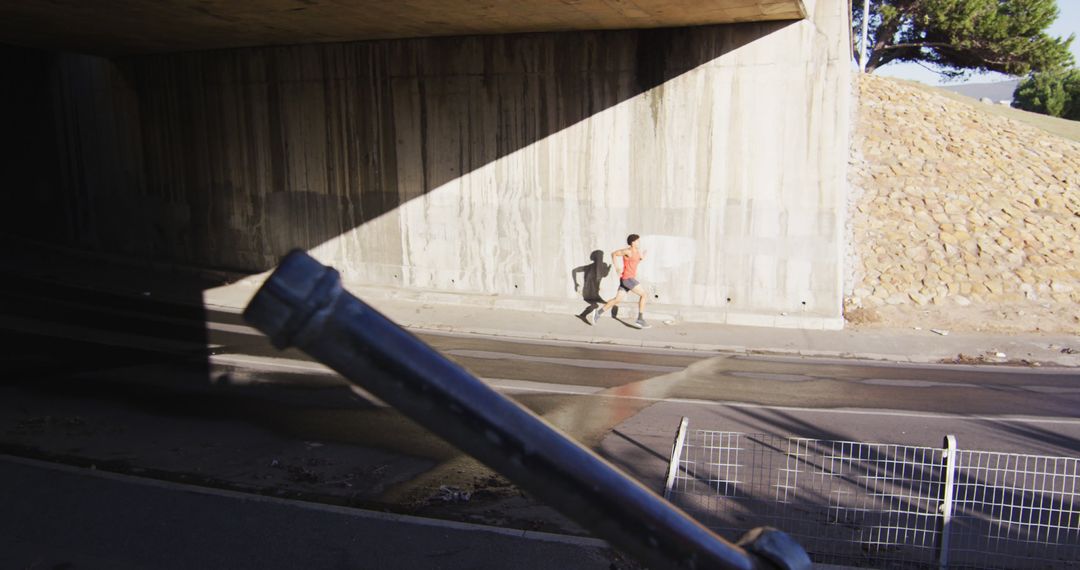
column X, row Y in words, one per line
column 1016, row 511
column 885, row 505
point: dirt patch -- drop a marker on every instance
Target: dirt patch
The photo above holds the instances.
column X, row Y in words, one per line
column 989, row 359
column 860, row 315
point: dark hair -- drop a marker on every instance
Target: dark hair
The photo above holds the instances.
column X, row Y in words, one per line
column 630, row 239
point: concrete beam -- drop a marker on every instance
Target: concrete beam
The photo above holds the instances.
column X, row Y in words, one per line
column 120, row 27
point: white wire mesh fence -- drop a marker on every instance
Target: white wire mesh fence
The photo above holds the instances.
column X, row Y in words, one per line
column 881, row 505
column 1016, row 511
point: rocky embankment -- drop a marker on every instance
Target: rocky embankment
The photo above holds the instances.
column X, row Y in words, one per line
column 960, row 219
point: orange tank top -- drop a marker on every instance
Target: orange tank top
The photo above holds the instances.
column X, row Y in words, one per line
column 629, row 265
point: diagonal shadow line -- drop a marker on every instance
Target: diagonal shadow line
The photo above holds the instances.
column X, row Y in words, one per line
column 638, row 444
column 1028, row 432
column 791, row 424
column 875, row 464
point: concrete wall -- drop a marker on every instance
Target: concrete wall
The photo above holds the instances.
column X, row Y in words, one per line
column 487, row 165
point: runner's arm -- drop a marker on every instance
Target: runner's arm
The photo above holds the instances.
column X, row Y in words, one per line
column 617, row 254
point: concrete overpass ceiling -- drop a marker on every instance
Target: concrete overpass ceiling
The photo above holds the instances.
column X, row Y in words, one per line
column 126, row 27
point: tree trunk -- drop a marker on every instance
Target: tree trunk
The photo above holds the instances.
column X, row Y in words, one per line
column 876, row 57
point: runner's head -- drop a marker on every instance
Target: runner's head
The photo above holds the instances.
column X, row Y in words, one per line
column 630, row 239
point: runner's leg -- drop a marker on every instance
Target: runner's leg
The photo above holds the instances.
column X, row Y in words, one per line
column 642, row 296
column 618, row 297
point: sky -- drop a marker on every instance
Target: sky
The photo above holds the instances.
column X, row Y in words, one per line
column 1068, row 22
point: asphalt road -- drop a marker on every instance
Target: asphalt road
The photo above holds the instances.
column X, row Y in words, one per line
column 173, row 391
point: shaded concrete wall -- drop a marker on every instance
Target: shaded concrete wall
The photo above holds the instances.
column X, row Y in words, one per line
column 489, row 165
column 70, row 153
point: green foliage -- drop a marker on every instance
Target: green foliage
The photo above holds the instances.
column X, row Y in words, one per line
column 1055, row 93
column 961, row 36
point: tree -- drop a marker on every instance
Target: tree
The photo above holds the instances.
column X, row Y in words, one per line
column 1055, row 93
column 960, row 36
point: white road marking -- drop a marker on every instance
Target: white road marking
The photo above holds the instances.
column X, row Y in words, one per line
column 776, row 377
column 269, row 363
column 98, row 336
column 899, row 382
column 827, row 411
column 187, row 322
column 235, row 329
column 579, row 362
column 509, row 385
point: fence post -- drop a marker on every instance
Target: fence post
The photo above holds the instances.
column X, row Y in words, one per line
column 946, row 507
column 676, row 455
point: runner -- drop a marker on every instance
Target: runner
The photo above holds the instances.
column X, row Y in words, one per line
column 631, row 256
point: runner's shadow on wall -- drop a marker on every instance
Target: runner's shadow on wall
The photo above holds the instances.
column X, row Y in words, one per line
column 592, row 274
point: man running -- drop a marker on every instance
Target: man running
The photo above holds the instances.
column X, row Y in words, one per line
column 631, row 256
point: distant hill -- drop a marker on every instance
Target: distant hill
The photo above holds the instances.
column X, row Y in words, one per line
column 1000, row 91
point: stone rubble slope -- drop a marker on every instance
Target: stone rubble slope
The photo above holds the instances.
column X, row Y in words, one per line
column 959, row 218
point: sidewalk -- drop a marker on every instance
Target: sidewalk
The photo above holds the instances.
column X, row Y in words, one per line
column 564, row 321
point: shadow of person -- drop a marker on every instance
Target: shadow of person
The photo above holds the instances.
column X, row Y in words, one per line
column 615, row 315
column 592, row 275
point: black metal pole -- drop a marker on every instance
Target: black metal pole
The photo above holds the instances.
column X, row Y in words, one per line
column 302, row 304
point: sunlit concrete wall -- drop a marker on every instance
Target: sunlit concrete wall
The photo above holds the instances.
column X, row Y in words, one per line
column 486, row 166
